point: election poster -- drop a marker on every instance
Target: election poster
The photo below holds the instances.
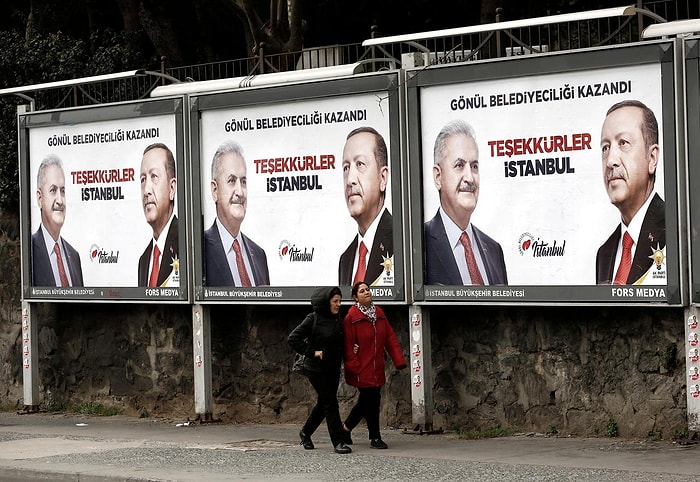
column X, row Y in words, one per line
column 103, row 190
column 544, row 182
column 298, row 193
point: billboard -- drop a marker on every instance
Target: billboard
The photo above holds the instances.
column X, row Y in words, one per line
column 298, row 186
column 530, row 185
column 103, row 203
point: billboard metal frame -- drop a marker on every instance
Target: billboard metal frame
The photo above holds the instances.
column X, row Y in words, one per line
column 386, row 87
column 86, row 115
column 692, row 64
column 660, row 52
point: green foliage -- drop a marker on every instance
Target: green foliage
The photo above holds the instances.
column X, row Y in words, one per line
column 9, row 167
column 144, row 413
column 493, row 432
column 94, row 408
column 112, row 52
column 54, row 405
column 46, row 58
column 680, row 434
column 611, row 428
column 668, row 358
column 84, row 408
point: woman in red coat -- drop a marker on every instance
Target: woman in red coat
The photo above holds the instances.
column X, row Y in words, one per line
column 368, row 335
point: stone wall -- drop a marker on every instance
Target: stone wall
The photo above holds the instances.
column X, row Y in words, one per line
column 10, row 326
column 569, row 370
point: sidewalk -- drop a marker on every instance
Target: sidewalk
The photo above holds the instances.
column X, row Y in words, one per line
column 51, row 447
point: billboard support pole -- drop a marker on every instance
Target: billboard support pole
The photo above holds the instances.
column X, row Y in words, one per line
column 201, row 341
column 30, row 340
column 30, row 360
column 420, row 367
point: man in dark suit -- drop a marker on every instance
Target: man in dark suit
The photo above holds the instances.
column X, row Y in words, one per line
column 370, row 255
column 456, row 252
column 230, row 257
column 54, row 261
column 630, row 153
column 159, row 264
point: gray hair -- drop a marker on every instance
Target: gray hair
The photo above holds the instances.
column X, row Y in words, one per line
column 48, row 161
column 452, row 128
column 228, row 147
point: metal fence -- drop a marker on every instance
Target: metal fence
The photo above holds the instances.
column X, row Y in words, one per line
column 445, row 49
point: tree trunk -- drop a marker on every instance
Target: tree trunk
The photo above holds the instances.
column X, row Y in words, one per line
column 130, row 14
column 282, row 34
column 488, row 10
column 36, row 20
column 160, row 29
column 296, row 34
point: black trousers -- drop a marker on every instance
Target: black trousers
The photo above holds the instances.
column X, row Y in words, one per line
column 326, row 386
column 367, row 407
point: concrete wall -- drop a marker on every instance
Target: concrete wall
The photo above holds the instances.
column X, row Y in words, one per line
column 570, row 370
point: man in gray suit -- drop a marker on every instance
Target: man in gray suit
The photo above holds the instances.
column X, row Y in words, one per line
column 230, row 257
column 456, row 252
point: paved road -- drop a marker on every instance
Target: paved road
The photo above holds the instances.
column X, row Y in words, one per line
column 57, row 447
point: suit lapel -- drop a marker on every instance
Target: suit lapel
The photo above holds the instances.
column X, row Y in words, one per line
column 444, row 252
column 380, row 248
column 253, row 260
column 651, row 235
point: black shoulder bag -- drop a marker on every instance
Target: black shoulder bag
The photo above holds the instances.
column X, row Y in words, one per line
column 300, row 359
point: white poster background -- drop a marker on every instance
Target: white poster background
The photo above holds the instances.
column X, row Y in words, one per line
column 562, row 207
column 116, row 226
column 307, row 220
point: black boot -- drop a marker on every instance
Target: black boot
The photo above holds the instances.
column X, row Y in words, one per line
column 341, row 448
column 378, row 443
column 305, row 441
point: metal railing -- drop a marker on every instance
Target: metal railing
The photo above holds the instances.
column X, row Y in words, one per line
column 448, row 49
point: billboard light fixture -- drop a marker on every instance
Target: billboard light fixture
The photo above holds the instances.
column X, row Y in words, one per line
column 275, row 78
column 678, row 27
column 512, row 24
column 72, row 82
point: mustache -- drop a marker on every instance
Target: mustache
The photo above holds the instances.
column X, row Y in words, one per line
column 467, row 186
column 350, row 191
column 615, row 173
column 237, row 199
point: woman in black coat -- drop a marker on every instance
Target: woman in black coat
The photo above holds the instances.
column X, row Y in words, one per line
column 320, row 338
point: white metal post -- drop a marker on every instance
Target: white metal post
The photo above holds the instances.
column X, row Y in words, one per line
column 201, row 340
column 420, row 367
column 30, row 359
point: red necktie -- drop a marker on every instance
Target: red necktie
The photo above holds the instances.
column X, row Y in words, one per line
column 242, row 272
column 153, row 280
column 61, row 268
column 473, row 268
column 626, row 261
column 361, row 264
